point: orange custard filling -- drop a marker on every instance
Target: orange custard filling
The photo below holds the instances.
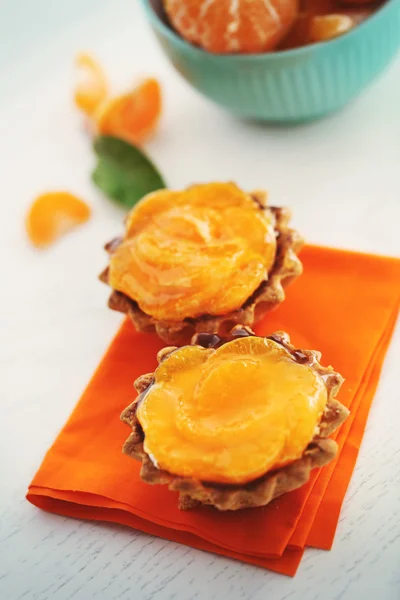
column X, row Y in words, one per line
column 204, row 250
column 230, row 415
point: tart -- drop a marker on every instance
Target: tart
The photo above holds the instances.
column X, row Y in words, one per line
column 234, row 422
column 201, row 260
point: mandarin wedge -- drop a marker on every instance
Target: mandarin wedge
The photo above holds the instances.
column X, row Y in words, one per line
column 53, row 214
column 93, row 89
column 132, row 117
column 327, row 27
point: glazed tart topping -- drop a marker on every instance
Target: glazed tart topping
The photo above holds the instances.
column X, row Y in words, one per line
column 230, row 414
column 201, row 251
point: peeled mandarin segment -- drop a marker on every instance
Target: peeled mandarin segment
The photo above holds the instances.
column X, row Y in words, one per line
column 201, row 251
column 220, row 397
column 327, row 27
column 93, row 90
column 262, row 231
column 223, row 26
column 134, row 116
column 179, row 361
column 252, row 346
column 146, row 209
column 53, row 214
column 233, row 414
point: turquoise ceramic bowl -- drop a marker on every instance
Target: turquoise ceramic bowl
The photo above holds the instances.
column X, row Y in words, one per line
column 290, row 86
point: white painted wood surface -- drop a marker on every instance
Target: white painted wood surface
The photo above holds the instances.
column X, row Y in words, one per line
column 341, row 176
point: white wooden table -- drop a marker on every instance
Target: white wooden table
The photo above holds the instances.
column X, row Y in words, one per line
column 341, row 176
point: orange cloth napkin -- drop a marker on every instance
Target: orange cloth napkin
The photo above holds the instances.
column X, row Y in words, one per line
column 345, row 305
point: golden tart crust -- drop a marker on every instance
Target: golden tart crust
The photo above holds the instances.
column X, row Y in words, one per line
column 270, row 293
column 272, row 484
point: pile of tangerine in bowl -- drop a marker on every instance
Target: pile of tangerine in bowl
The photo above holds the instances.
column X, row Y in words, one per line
column 257, row 26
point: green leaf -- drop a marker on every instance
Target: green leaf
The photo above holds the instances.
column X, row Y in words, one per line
column 123, row 172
